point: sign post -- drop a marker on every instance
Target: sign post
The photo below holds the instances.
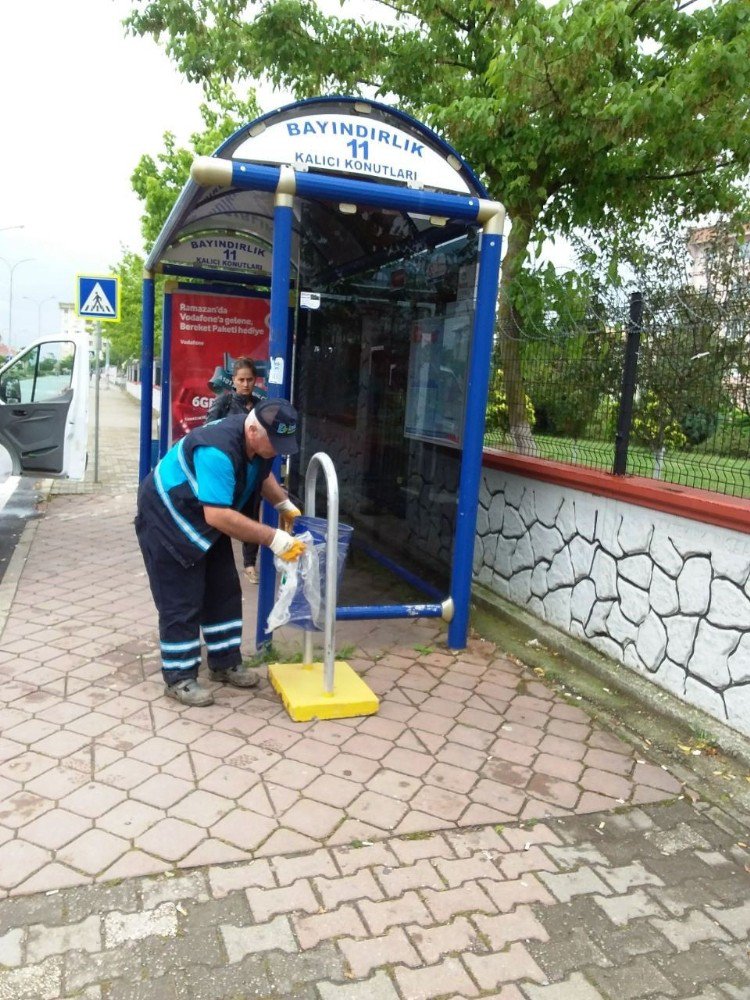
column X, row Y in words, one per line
column 98, row 351
column 98, row 298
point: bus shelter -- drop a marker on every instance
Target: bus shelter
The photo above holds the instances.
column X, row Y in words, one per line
column 355, row 254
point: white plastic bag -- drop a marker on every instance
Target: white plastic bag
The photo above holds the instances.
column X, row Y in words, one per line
column 303, row 572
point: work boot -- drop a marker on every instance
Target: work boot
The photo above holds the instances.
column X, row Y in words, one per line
column 238, row 676
column 189, row 692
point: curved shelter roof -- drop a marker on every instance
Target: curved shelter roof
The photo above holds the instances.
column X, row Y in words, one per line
column 223, row 231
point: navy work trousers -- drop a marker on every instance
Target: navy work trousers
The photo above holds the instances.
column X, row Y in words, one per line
column 204, row 596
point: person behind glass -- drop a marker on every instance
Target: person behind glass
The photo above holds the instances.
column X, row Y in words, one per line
column 241, row 398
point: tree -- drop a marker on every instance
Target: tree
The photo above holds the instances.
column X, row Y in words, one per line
column 158, row 182
column 580, row 113
column 125, row 336
column 695, row 333
column 571, row 356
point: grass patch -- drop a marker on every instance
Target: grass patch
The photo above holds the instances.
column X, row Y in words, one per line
column 700, row 469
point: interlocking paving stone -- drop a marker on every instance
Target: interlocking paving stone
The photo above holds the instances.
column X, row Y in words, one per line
column 122, row 927
column 11, row 949
column 435, row 942
column 242, row 941
column 461, row 740
column 622, row 909
column 379, row 987
column 288, row 972
column 574, row 988
column 433, row 981
column 704, row 963
column 512, row 965
column 33, row 982
column 634, row 981
column 409, row 908
column 266, row 903
column 389, row 949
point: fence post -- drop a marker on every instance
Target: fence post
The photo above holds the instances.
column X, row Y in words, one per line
column 627, row 392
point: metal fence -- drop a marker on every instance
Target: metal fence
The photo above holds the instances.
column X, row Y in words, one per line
column 654, row 385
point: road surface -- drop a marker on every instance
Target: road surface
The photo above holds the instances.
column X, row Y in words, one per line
column 18, row 499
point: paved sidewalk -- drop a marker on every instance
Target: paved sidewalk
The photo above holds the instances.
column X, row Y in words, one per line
column 480, row 836
column 649, row 903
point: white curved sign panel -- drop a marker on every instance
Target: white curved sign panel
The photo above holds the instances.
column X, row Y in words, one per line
column 353, row 144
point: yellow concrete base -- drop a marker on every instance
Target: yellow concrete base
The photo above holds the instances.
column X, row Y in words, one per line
column 302, row 690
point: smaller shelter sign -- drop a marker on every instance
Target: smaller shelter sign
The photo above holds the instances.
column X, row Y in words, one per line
column 240, row 254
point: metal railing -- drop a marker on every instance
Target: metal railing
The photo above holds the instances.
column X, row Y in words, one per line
column 655, row 387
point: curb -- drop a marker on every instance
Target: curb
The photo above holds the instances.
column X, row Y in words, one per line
column 12, row 575
column 548, row 642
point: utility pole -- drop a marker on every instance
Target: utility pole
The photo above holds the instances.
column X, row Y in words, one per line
column 11, row 269
column 97, row 352
column 39, row 303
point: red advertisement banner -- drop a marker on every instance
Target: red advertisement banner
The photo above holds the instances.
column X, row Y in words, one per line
column 209, row 332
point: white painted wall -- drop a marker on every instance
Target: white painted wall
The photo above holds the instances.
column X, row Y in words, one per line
column 661, row 595
column 134, row 388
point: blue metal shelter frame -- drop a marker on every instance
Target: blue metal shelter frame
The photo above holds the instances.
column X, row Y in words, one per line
column 222, row 177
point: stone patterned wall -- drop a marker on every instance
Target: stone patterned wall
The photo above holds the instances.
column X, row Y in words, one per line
column 662, row 595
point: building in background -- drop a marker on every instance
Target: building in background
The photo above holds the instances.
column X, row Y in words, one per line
column 71, row 326
column 719, row 258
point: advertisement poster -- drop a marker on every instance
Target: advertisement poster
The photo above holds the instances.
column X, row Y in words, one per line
column 209, row 332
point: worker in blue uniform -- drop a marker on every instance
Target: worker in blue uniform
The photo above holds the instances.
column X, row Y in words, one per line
column 188, row 512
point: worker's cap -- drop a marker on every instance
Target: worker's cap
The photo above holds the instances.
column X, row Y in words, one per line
column 278, row 418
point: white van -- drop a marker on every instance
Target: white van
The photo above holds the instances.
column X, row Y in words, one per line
column 44, row 393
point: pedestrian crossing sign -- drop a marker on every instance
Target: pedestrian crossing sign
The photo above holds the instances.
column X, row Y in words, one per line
column 98, row 297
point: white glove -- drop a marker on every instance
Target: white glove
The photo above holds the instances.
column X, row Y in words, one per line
column 281, row 542
column 287, row 513
column 285, row 547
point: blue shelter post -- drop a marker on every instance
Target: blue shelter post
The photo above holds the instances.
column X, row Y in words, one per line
column 147, row 377
column 473, row 438
column 166, row 374
column 279, row 379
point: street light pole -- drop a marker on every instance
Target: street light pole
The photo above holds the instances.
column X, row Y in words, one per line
column 11, row 269
column 39, row 304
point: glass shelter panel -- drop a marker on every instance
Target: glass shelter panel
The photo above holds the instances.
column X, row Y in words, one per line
column 380, row 379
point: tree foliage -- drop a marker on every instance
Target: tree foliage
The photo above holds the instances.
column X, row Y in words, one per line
column 695, row 340
column 694, row 359
column 579, row 113
column 125, row 336
column 158, row 181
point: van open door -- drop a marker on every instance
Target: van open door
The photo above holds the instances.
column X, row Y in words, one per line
column 44, row 408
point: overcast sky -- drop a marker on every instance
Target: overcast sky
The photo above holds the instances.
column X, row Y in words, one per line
column 81, row 102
